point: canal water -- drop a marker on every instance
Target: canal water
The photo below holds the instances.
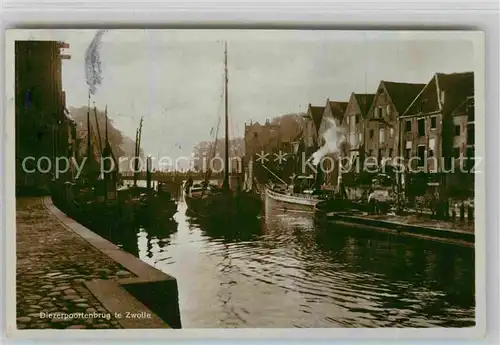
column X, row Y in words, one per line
column 285, row 271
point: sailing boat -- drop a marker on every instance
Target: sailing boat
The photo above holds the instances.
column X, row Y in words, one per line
column 303, row 191
column 214, row 202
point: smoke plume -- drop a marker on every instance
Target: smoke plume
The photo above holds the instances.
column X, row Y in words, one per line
column 93, row 71
column 333, row 138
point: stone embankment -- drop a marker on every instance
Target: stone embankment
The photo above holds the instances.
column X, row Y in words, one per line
column 68, row 277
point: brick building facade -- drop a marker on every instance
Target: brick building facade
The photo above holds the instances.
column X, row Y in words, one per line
column 43, row 128
column 438, row 129
column 381, row 123
column 354, row 121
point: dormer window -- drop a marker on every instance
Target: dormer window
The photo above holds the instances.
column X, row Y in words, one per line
column 422, row 106
column 379, row 112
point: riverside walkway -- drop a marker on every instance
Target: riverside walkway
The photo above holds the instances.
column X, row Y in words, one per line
column 54, row 269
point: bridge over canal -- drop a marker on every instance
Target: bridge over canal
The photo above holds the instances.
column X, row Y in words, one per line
column 168, row 177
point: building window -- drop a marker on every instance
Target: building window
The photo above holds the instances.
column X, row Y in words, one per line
column 390, row 152
column 407, row 153
column 347, row 120
column 391, row 132
column 470, row 134
column 421, row 127
column 432, row 147
column 456, row 152
column 421, row 155
column 372, row 132
column 378, row 112
column 408, row 126
column 360, row 138
column 255, row 134
column 408, row 149
column 357, row 119
column 388, row 109
column 433, row 122
column 370, row 153
column 457, row 130
column 381, row 134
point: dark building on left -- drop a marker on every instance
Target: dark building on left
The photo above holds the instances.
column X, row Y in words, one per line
column 44, row 128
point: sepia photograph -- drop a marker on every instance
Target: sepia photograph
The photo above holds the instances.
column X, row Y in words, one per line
column 197, row 179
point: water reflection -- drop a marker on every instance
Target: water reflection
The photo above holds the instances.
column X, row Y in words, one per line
column 283, row 271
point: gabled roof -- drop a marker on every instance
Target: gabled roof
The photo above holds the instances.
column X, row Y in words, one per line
column 444, row 92
column 338, row 109
column 365, row 101
column 316, row 114
column 461, row 109
column 402, row 94
column 457, row 87
column 299, row 136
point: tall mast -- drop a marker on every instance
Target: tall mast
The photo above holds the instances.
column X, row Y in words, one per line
column 98, row 130
column 140, row 135
column 137, row 152
column 106, row 119
column 225, row 184
column 136, row 156
column 107, row 147
column 89, row 147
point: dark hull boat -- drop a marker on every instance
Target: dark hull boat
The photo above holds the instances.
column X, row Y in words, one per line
column 157, row 212
column 224, row 204
column 156, row 206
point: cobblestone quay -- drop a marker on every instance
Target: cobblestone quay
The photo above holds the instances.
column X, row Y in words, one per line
column 52, row 264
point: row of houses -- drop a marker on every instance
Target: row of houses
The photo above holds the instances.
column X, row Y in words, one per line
column 428, row 127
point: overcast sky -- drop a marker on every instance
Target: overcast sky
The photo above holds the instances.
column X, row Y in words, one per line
column 174, row 78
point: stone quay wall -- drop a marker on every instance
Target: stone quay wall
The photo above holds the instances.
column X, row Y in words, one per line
column 69, row 277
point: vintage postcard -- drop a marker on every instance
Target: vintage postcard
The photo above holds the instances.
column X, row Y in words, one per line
column 192, row 181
